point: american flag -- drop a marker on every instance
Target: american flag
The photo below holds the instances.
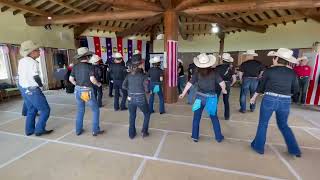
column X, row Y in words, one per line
column 172, row 54
column 313, row 94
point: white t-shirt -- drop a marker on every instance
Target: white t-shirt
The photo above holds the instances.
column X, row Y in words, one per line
column 27, row 69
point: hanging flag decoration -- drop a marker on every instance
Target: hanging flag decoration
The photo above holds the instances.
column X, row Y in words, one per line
column 130, row 49
column 172, row 54
column 119, row 45
column 313, row 94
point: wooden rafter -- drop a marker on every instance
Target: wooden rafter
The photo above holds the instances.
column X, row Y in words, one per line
column 166, row 4
column 310, row 13
column 22, row 7
column 63, row 4
column 182, row 31
column 280, row 20
column 134, row 4
column 188, row 3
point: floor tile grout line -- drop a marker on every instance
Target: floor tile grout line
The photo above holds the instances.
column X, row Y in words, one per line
column 22, row 155
column 309, row 120
column 146, row 157
column 157, row 153
column 60, row 138
column 286, row 163
column 6, row 122
column 306, row 130
column 139, row 170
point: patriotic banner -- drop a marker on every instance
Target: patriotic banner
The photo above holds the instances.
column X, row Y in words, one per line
column 99, row 45
column 172, row 65
column 313, row 94
column 130, row 49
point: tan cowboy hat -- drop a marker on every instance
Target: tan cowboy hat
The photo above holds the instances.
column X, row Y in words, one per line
column 250, row 52
column 136, row 52
column 204, row 61
column 82, row 52
column 117, row 55
column 303, row 58
column 27, row 47
column 94, row 59
column 284, row 53
column 155, row 59
column 227, row 57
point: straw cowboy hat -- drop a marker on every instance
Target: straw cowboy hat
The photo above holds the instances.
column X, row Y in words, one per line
column 154, row 60
column 27, row 47
column 94, row 59
column 250, row 52
column 284, row 53
column 303, row 58
column 227, row 57
column 204, row 61
column 82, row 52
column 117, row 55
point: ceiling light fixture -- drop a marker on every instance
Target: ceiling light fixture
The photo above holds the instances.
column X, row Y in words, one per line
column 215, row 28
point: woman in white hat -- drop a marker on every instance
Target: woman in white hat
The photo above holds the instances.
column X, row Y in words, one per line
column 278, row 84
column 30, row 83
column 227, row 72
column 155, row 74
column 181, row 76
column 98, row 74
column 207, row 80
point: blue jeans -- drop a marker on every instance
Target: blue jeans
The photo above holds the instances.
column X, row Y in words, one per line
column 192, row 94
column 98, row 93
column 303, row 88
column 138, row 101
column 110, row 88
column 225, row 99
column 151, row 99
column 281, row 106
column 181, row 83
column 35, row 101
column 196, row 121
column 248, row 85
column 81, row 104
column 117, row 85
column 24, row 109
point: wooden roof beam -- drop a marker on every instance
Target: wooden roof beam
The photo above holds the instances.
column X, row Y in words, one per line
column 22, row 7
column 182, row 31
column 309, row 13
column 134, row 5
column 89, row 17
column 251, row 5
column 166, row 4
column 61, row 3
column 189, row 3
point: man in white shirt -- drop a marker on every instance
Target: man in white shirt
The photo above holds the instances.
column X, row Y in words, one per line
column 30, row 83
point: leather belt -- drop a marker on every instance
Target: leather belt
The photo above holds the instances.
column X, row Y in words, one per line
column 277, row 95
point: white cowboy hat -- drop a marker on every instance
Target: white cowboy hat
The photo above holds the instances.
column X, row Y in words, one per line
column 180, row 61
column 117, row 55
column 227, row 57
column 94, row 59
column 136, row 52
column 83, row 51
column 251, row 52
column 27, row 47
column 204, row 61
column 155, row 59
column 303, row 58
column 284, row 53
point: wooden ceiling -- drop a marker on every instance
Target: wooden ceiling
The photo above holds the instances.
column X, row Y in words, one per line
column 143, row 17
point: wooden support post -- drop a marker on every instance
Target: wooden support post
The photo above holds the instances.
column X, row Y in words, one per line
column 171, row 29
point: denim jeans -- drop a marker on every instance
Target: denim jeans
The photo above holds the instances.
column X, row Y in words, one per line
column 24, row 109
column 117, row 87
column 138, row 101
column 181, row 83
column 81, row 104
column 151, row 99
column 303, row 88
column 196, row 121
column 110, row 88
column 98, row 93
column 192, row 94
column 281, row 106
column 225, row 99
column 35, row 101
column 248, row 85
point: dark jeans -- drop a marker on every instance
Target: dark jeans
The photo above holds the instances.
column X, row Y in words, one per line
column 138, row 101
column 35, row 101
column 181, row 83
column 281, row 106
column 81, row 109
column 225, row 99
column 303, row 88
column 248, row 85
column 110, row 88
column 24, row 109
column 117, row 87
column 98, row 93
column 196, row 121
column 151, row 99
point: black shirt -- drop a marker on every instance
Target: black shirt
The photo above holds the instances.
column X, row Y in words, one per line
column 155, row 73
column 98, row 72
column 118, row 71
column 226, row 71
column 251, row 68
column 191, row 69
column 180, row 70
column 136, row 83
column 82, row 72
column 206, row 84
column 280, row 80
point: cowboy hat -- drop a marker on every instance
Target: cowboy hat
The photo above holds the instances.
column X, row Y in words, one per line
column 154, row 60
column 251, row 52
column 284, row 53
column 136, row 52
column 27, row 47
column 82, row 52
column 303, row 58
column 94, row 59
column 136, row 59
column 227, row 57
column 117, row 55
column 204, row 61
column 180, row 61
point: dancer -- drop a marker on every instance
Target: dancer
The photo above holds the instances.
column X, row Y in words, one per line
column 207, row 80
column 278, row 83
column 98, row 74
column 181, row 77
column 303, row 72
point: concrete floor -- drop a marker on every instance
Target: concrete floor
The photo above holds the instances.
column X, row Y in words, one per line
column 168, row 154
